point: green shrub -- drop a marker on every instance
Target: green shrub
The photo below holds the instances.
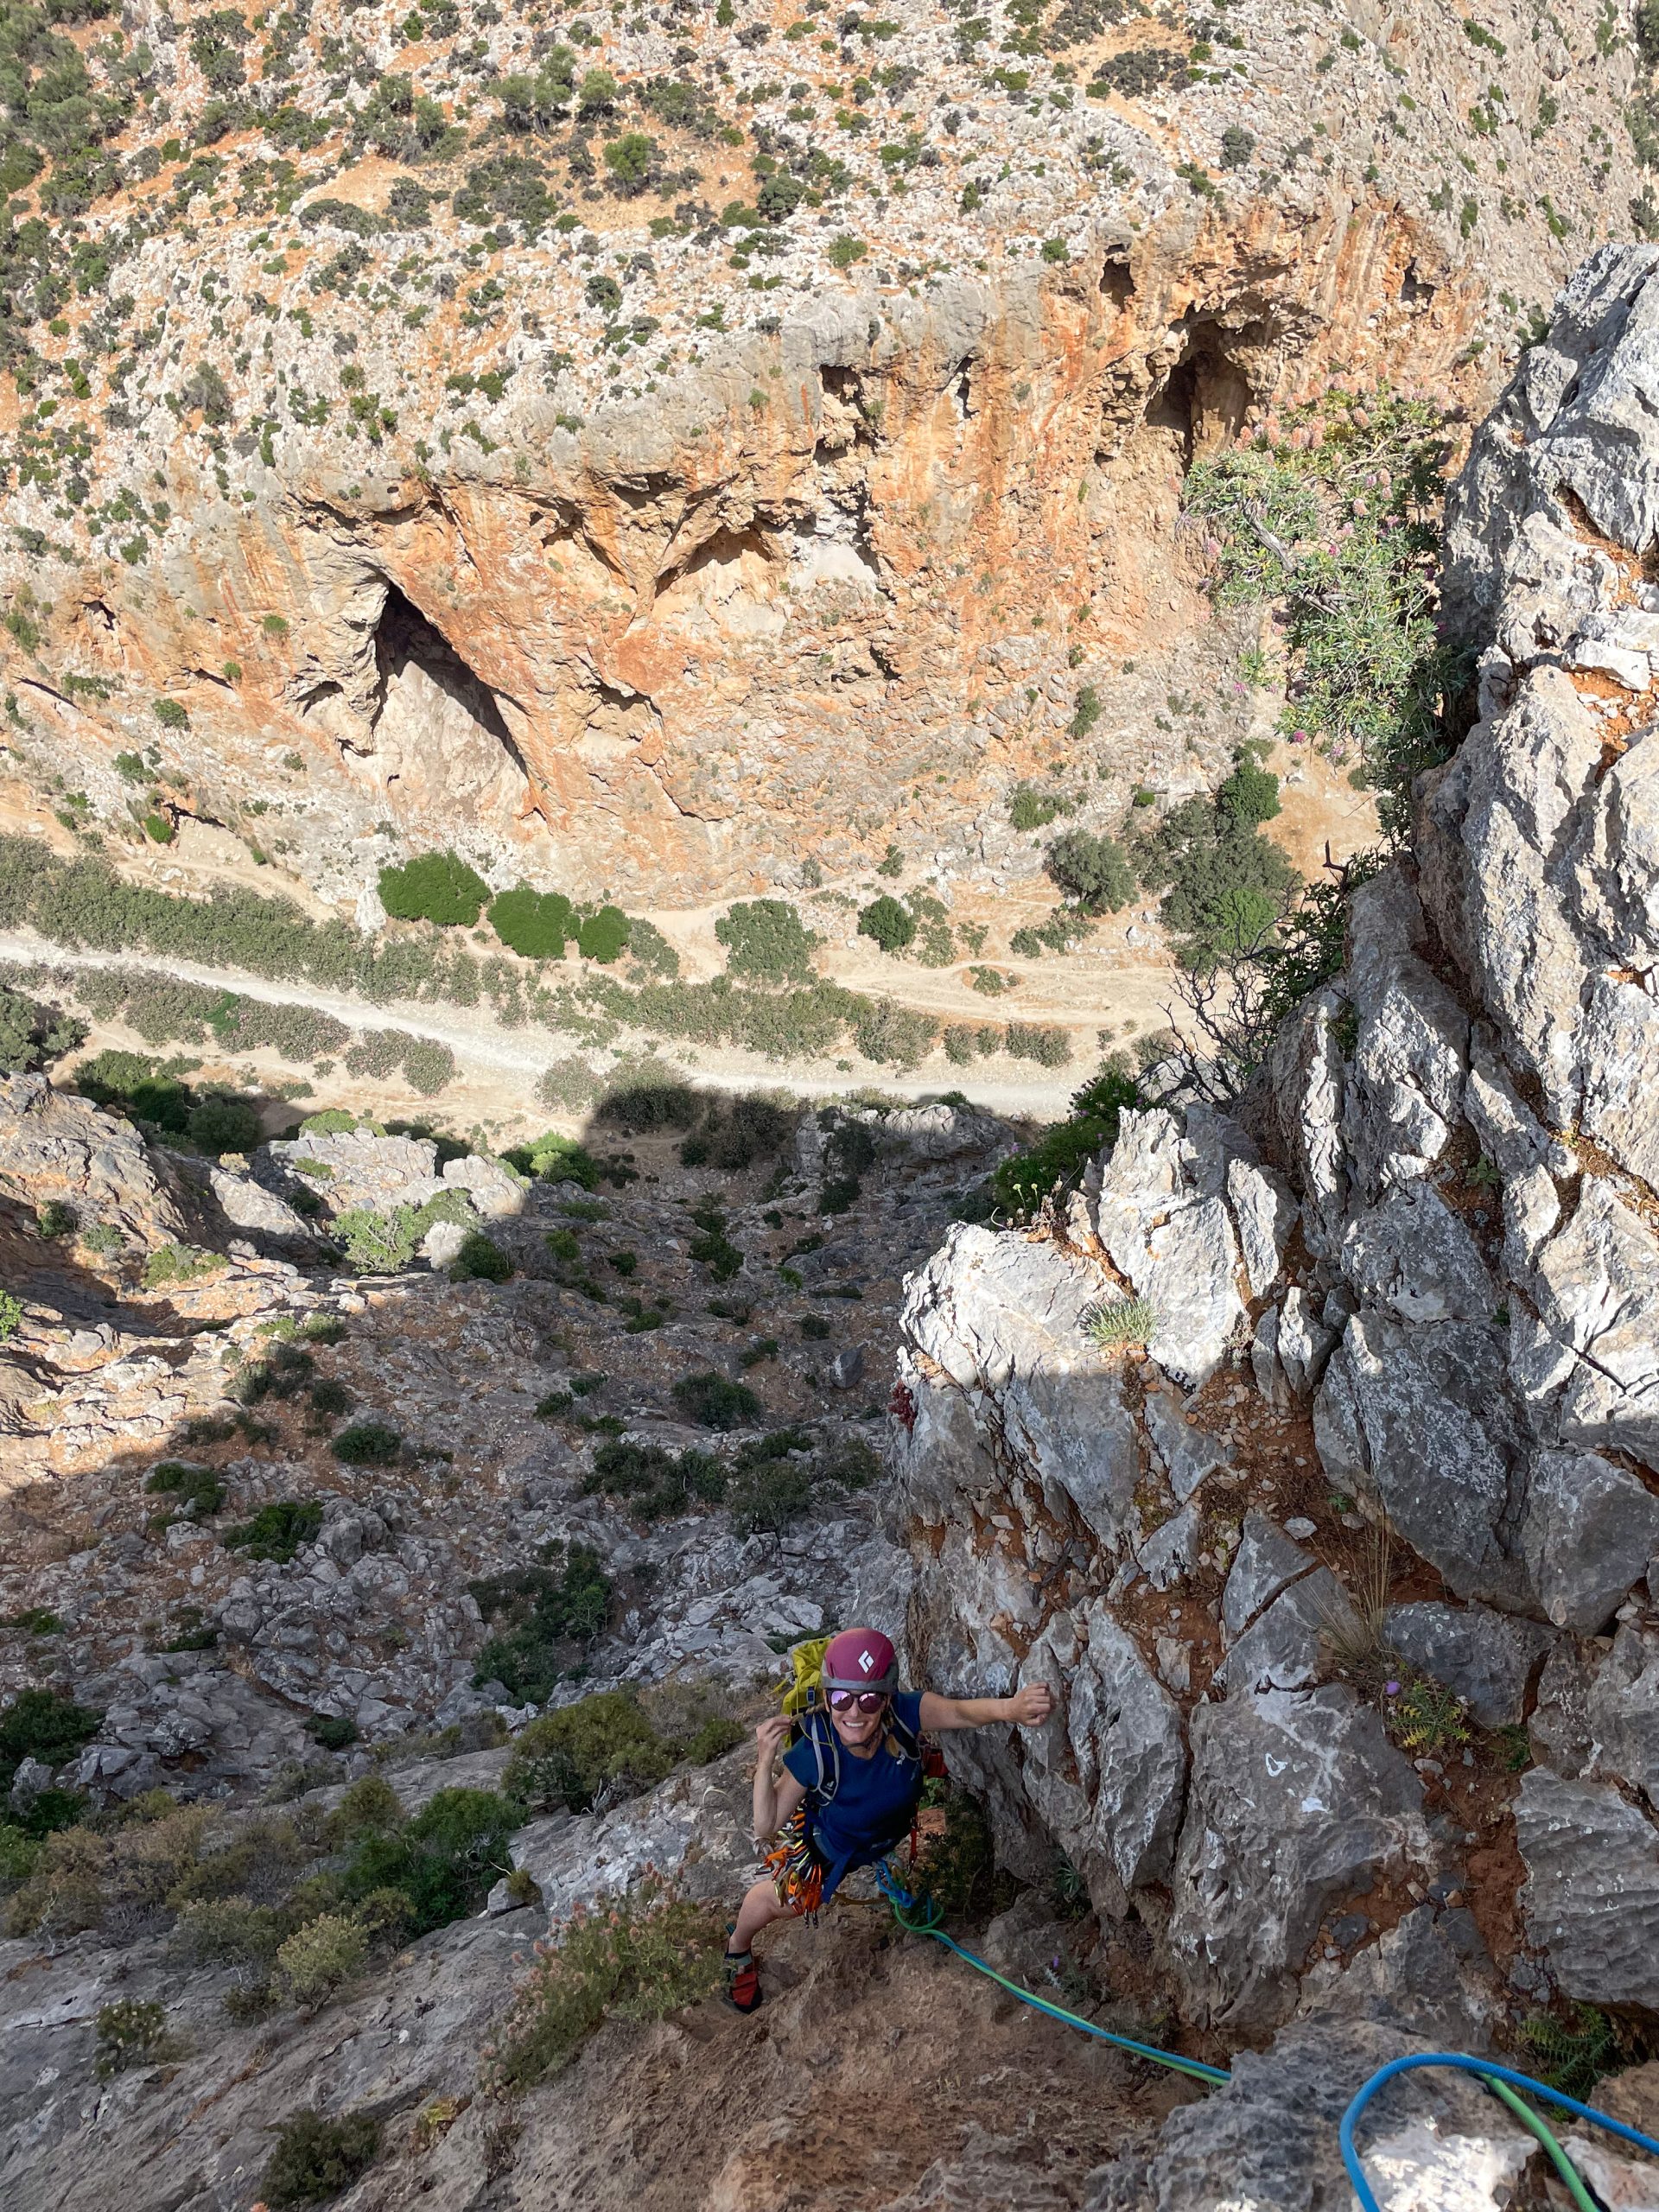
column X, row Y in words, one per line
column 367, row 1444
column 555, row 1159
column 171, row 713
column 1095, row 871
column 443, row 1860
column 130, row 2032
column 221, row 1124
column 1119, row 1321
column 1229, row 886
column 429, row 1067
column 198, row 1490
column 30, row 1035
column 658, row 1485
column 333, row 1732
column 277, row 1530
column 1250, row 795
column 316, row 2158
column 1049, row 1046
column 715, row 1402
column 889, row 922
column 434, row 888
column 1572, row 2059
column 604, row 936
column 604, row 1743
column 542, row 1615
column 1085, row 710
column 371, row 1806
column 1019, row 1184
column 41, row 1724
column 55, row 1219
column 652, row 1097
column 171, row 1264
column 641, row 1957
column 956, row 1870
column 1343, row 525
column 320, row 1959
column 765, row 940
column 1029, row 809
column 894, row 1036
column 228, row 1931
column 11, row 1316
column 638, row 1958
column 37, row 1620
column 736, row 1132
column 535, row 924
column 771, row 1494
column 712, row 1249
column 480, row 1260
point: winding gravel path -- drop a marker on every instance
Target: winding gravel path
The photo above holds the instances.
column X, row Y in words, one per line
column 480, row 1043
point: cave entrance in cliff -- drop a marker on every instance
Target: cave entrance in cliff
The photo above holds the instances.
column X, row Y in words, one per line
column 439, row 730
column 1203, row 402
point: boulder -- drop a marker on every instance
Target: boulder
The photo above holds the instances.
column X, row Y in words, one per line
column 1265, row 1561
column 1621, row 1712
column 1107, row 1777
column 1176, row 1245
column 1486, row 1658
column 1591, row 1899
column 1591, row 1528
column 1296, row 1800
column 1268, row 2142
column 1416, row 1417
column 1283, row 1649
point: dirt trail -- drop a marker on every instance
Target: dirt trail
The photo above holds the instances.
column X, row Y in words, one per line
column 483, row 1046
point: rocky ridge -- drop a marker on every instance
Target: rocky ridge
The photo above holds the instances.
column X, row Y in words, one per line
column 1406, row 1287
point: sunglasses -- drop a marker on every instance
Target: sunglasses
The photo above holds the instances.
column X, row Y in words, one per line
column 865, row 1700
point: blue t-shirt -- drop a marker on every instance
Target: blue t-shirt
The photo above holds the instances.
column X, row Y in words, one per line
column 874, row 1798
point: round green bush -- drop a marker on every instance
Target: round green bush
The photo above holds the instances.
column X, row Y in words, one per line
column 892, row 926
column 1095, row 871
column 533, row 923
column 714, row 1401
column 316, row 2158
column 480, row 1260
column 367, row 1444
column 434, row 888
column 603, row 936
column 220, row 1124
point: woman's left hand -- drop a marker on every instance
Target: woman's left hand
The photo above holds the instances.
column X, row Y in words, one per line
column 1031, row 1706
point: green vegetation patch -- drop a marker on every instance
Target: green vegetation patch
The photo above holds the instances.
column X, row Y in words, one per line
column 543, row 1616
column 434, row 888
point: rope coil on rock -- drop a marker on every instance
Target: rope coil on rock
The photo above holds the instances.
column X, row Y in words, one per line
column 921, row 1917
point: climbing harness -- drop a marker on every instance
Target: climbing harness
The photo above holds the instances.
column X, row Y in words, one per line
column 919, row 1917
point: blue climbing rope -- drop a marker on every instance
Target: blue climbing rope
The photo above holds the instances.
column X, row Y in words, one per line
column 1485, row 2070
column 917, row 1917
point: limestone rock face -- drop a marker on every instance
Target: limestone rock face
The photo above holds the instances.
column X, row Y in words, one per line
column 627, row 567
column 1434, row 1225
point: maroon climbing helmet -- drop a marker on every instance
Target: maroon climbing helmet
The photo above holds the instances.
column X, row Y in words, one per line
column 860, row 1659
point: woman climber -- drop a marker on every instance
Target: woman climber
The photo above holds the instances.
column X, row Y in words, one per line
column 849, row 1784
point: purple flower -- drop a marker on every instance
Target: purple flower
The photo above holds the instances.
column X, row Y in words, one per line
column 1391, row 1689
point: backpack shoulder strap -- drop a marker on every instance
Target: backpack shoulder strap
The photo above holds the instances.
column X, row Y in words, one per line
column 827, row 1753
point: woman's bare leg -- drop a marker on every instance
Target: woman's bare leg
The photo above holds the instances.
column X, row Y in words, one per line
column 759, row 1910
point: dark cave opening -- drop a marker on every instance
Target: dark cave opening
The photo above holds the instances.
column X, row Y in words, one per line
column 404, row 639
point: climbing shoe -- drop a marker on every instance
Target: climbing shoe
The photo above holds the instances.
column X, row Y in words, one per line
column 742, row 1981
